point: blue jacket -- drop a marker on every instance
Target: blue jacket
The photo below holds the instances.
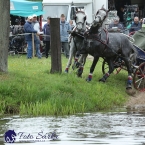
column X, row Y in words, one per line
column 28, row 28
column 64, row 27
column 135, row 27
column 46, row 30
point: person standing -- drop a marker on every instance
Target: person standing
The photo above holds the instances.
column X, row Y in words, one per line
column 71, row 24
column 46, row 30
column 36, row 26
column 64, row 28
column 121, row 14
column 28, row 28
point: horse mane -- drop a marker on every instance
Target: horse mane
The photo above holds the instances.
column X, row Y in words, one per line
column 104, row 9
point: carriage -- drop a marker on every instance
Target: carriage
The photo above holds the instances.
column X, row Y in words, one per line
column 138, row 68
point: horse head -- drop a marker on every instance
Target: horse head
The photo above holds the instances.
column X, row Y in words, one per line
column 100, row 17
column 80, row 20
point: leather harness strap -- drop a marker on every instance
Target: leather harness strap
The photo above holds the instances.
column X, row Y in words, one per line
column 103, row 42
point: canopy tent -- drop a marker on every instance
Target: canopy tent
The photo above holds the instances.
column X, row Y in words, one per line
column 25, row 8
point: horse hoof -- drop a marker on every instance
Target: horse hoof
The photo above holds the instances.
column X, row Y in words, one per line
column 66, row 71
column 88, row 79
column 80, row 76
column 130, row 91
column 77, row 65
column 102, row 80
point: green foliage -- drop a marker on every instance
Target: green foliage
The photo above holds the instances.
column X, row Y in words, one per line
column 29, row 89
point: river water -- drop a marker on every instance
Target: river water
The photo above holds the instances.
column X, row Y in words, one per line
column 92, row 128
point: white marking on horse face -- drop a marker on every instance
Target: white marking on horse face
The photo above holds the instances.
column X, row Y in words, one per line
column 80, row 20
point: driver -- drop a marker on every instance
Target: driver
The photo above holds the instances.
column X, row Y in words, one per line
column 115, row 26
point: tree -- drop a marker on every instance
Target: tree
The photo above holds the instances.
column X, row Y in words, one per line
column 55, row 46
column 4, row 34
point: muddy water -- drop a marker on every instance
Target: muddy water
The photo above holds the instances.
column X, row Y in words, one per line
column 99, row 128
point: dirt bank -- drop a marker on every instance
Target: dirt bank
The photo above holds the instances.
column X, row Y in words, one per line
column 136, row 102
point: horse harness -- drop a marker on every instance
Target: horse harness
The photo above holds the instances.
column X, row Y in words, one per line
column 78, row 34
column 97, row 37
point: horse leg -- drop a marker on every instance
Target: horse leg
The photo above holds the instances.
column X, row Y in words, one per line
column 111, row 69
column 129, row 69
column 81, row 66
column 70, row 57
column 76, row 63
column 92, row 68
column 84, row 58
column 69, row 62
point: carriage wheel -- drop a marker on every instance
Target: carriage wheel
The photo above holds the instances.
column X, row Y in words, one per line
column 139, row 78
column 105, row 68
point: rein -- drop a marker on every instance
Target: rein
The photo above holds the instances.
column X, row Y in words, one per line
column 100, row 16
column 105, row 43
column 99, row 40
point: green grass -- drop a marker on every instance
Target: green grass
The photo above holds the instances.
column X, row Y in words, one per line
column 30, row 89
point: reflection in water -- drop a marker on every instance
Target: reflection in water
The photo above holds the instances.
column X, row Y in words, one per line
column 98, row 128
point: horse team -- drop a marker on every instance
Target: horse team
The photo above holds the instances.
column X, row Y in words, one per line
column 97, row 42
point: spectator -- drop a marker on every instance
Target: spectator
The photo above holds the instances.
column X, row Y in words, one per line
column 46, row 30
column 116, row 24
column 36, row 26
column 64, row 28
column 120, row 14
column 136, row 25
column 71, row 24
column 28, row 28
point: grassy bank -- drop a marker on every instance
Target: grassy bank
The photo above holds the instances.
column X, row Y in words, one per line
column 29, row 89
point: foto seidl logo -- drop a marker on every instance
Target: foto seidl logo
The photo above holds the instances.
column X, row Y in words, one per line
column 11, row 136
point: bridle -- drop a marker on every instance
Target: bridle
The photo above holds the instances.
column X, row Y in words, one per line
column 101, row 22
column 75, row 17
column 77, row 23
column 96, row 37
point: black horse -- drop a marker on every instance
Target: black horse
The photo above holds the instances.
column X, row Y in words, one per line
column 99, row 43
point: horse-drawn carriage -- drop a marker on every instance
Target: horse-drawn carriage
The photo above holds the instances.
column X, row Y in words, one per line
column 116, row 50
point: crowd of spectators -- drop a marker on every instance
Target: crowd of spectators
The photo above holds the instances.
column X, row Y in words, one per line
column 33, row 26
